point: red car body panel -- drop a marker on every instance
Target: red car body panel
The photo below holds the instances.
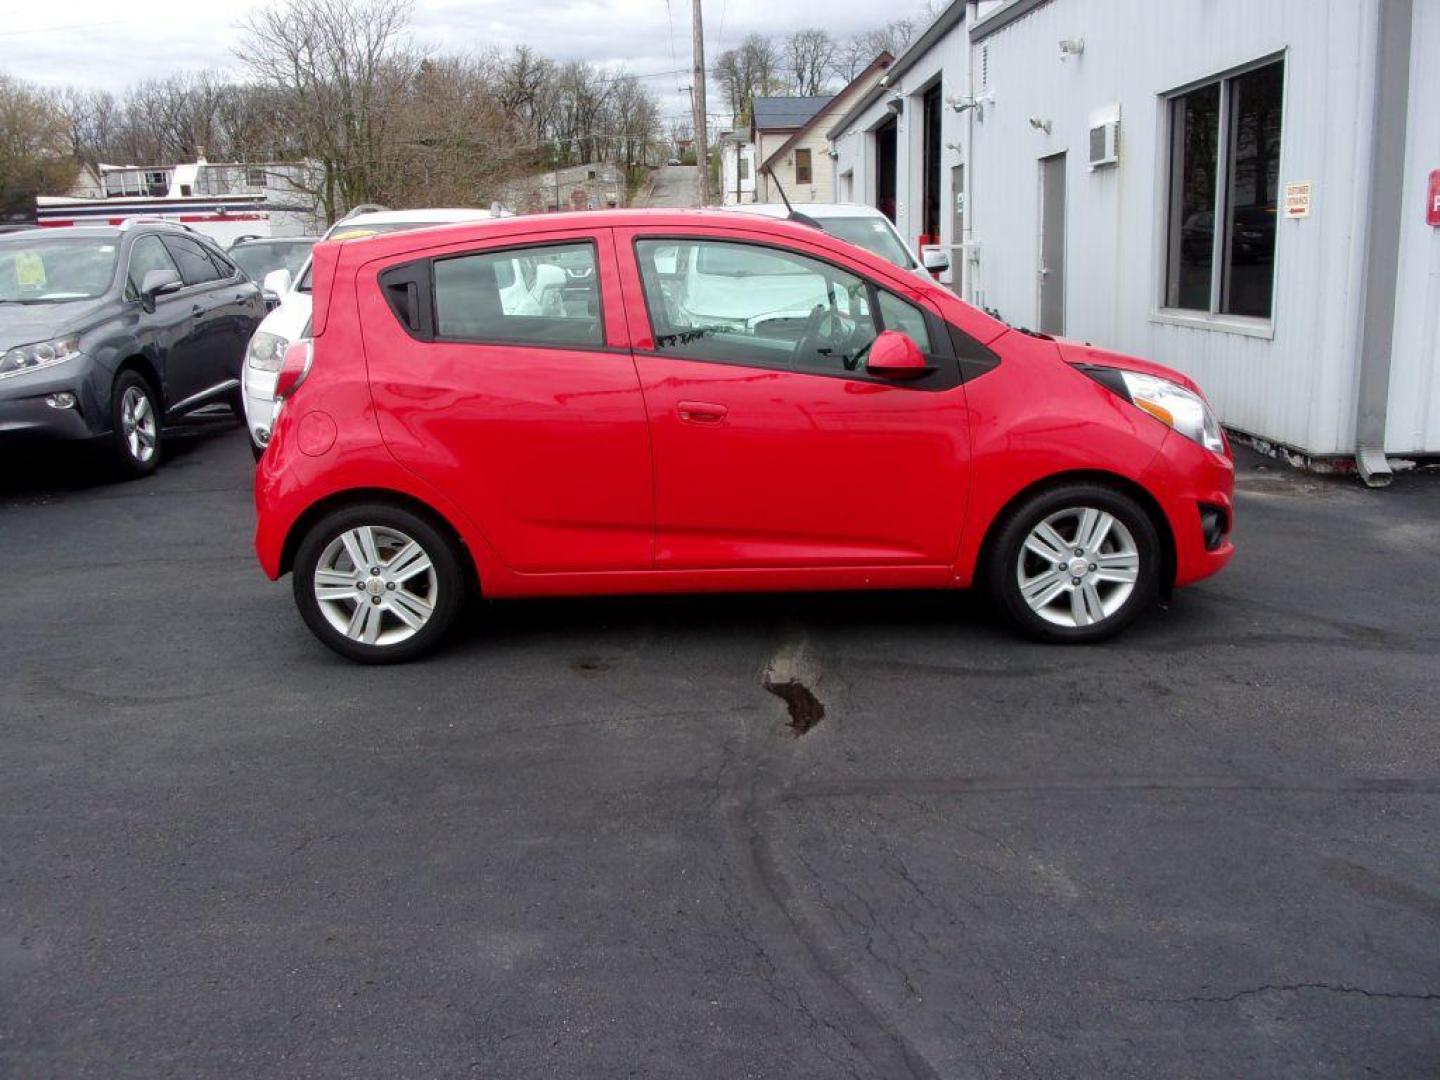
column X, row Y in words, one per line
column 621, row 469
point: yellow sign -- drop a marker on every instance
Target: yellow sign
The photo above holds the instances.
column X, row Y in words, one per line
column 29, row 270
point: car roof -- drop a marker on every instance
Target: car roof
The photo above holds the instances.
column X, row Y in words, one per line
column 276, row 240
column 436, row 215
column 834, row 210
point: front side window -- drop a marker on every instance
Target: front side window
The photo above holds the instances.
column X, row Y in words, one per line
column 535, row 296
column 802, row 167
column 1224, row 180
column 148, row 254
column 746, row 304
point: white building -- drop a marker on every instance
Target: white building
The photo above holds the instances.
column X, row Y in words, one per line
column 1237, row 189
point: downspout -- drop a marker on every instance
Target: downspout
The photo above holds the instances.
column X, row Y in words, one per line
column 1387, row 179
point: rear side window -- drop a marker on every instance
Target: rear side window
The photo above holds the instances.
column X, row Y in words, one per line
column 195, row 265
column 148, row 254
column 548, row 295
column 223, row 266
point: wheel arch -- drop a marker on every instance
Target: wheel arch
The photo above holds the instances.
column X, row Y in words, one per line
column 339, row 500
column 145, row 368
column 1101, row 477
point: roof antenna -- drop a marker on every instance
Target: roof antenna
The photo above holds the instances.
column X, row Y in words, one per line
column 794, row 215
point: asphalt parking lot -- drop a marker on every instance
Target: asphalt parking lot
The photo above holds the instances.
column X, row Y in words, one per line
column 585, row 841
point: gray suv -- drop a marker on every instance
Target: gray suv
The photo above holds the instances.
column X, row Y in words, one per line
column 107, row 333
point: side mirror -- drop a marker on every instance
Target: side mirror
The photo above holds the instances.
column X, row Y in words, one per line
column 277, row 282
column 934, row 259
column 157, row 283
column 894, row 355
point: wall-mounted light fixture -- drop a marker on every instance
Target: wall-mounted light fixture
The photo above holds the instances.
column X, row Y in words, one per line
column 1040, row 125
column 896, row 104
column 1072, row 47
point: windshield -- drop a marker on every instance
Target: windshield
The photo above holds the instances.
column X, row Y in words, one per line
column 343, row 231
column 36, row 268
column 259, row 259
column 872, row 234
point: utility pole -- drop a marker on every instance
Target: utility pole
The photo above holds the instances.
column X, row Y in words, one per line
column 697, row 97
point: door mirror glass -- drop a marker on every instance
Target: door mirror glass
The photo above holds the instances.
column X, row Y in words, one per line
column 896, row 356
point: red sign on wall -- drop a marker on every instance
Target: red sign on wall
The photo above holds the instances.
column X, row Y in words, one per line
column 1432, row 200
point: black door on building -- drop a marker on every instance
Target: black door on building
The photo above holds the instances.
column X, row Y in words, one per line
column 885, row 168
column 930, row 207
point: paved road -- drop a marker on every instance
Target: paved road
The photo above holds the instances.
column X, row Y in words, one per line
column 585, row 842
column 672, row 185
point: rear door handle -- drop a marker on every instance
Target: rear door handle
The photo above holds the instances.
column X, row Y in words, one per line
column 701, row 412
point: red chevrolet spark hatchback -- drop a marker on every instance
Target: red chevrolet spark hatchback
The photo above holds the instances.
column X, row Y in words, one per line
column 666, row 401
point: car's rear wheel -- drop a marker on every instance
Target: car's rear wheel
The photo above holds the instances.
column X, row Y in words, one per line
column 1075, row 564
column 377, row 583
column 134, row 425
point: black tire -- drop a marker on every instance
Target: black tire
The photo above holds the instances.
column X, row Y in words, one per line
column 1002, row 566
column 126, row 460
column 449, row 583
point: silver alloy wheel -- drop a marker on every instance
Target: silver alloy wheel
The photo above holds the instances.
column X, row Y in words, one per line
column 1078, row 567
column 137, row 420
column 376, row 585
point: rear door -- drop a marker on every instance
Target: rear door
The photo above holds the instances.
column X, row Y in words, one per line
column 773, row 446
column 505, row 381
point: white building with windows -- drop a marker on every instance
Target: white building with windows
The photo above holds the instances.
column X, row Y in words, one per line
column 1241, row 190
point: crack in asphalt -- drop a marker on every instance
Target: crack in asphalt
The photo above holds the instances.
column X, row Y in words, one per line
column 1289, row 988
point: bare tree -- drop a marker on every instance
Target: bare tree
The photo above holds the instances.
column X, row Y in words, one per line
column 752, row 70
column 810, row 55
column 341, row 67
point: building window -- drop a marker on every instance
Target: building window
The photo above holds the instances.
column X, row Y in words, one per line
column 1224, row 180
column 802, row 167
column 744, row 167
column 255, row 178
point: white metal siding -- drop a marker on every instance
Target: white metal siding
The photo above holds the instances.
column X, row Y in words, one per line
column 1413, row 417
column 1295, row 386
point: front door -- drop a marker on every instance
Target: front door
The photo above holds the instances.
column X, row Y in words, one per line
column 773, row 447
column 1052, row 244
column 521, row 399
column 171, row 327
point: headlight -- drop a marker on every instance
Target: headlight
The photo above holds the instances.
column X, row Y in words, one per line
column 266, row 351
column 40, row 355
column 1172, row 404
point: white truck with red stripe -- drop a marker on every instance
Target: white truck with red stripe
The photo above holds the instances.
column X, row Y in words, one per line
column 224, row 201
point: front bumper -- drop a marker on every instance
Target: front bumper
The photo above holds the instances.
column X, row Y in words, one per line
column 1190, row 483
column 25, row 410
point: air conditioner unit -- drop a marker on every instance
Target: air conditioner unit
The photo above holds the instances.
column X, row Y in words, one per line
column 1105, row 144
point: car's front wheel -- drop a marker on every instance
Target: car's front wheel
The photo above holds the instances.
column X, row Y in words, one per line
column 378, row 584
column 135, row 425
column 1075, row 564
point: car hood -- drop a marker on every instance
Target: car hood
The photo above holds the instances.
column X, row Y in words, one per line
column 1076, row 352
column 25, row 324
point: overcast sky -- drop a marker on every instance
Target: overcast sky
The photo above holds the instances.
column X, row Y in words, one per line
column 102, row 44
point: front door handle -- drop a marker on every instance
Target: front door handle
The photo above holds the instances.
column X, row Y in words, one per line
column 701, row 412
